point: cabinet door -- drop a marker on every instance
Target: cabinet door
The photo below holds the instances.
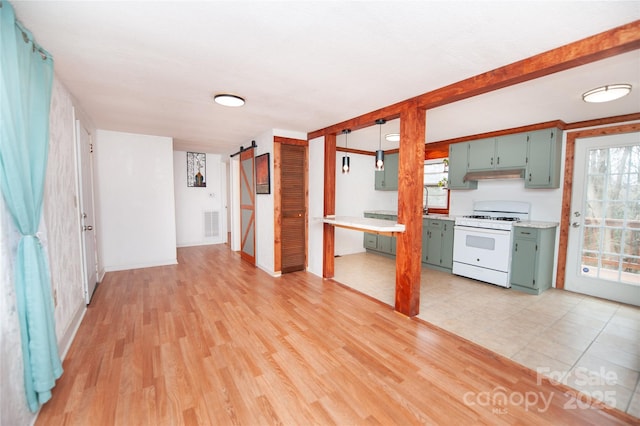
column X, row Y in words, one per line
column 458, row 153
column 425, row 239
column 384, row 244
column 391, row 172
column 545, row 151
column 446, row 254
column 434, row 248
column 523, row 262
column 379, row 180
column 481, row 154
column 387, row 179
column 511, row 151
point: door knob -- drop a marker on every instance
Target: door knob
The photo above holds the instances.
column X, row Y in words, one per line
column 575, row 224
column 88, row 228
column 576, row 214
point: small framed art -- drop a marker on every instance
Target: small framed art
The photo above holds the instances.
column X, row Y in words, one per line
column 196, row 169
column 263, row 174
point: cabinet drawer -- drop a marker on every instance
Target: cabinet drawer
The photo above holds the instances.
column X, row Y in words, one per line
column 525, row 233
column 437, row 224
column 370, row 241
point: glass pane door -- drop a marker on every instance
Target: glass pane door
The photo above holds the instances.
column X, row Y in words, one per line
column 603, row 253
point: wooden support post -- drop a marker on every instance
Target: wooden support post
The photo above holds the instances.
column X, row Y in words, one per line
column 328, row 237
column 410, row 186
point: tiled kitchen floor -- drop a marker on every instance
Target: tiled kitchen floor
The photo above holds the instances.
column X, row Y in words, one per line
column 590, row 344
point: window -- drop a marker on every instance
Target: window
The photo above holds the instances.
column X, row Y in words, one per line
column 436, row 174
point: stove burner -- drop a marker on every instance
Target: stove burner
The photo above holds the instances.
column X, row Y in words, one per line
column 478, row 216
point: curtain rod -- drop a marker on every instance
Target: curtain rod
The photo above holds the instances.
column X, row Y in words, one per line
column 242, row 149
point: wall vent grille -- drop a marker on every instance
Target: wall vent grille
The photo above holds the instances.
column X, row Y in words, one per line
column 211, row 224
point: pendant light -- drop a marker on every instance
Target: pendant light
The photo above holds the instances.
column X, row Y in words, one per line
column 380, row 152
column 345, row 159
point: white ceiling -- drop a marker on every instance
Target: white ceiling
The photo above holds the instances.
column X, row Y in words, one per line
column 151, row 67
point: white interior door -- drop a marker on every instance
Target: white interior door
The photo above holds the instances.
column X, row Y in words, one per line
column 85, row 169
column 603, row 252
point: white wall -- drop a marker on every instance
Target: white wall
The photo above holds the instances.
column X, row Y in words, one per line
column 62, row 217
column 234, row 202
column 264, row 211
column 316, row 205
column 137, row 208
column 192, row 202
column 355, row 194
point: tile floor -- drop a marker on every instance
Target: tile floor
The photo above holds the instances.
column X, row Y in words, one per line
column 589, row 344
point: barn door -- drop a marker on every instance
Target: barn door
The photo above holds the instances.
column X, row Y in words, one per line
column 247, row 207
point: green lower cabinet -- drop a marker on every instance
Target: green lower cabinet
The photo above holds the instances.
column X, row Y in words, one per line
column 437, row 244
column 532, row 259
column 370, row 241
column 381, row 244
column 386, row 244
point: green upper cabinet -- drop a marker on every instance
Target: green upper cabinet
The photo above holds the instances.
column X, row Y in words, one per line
column 503, row 152
column 544, row 156
column 387, row 179
column 511, row 151
column 458, row 157
column 481, row 154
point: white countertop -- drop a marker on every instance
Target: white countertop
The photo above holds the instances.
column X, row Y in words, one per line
column 535, row 224
column 376, row 226
column 438, row 216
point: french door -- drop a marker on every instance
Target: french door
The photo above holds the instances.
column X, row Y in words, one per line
column 603, row 252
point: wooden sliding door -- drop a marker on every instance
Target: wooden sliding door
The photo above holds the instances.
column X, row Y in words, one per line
column 247, row 207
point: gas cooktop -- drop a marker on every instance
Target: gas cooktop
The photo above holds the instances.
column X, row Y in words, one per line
column 486, row 217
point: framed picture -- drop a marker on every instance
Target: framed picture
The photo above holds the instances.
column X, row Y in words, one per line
column 263, row 174
column 196, row 169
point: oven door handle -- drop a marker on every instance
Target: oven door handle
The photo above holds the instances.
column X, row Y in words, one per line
column 481, row 230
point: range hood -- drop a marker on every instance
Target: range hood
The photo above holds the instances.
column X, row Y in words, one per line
column 494, row 174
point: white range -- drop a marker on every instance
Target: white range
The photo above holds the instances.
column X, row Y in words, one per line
column 482, row 240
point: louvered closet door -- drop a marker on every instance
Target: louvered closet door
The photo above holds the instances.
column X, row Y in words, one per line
column 294, row 237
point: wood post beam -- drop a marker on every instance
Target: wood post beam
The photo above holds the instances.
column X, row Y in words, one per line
column 410, row 185
column 328, row 237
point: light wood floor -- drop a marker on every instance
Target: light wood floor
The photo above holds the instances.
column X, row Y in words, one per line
column 216, row 341
column 564, row 335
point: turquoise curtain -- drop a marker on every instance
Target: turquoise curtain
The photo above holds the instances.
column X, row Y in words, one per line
column 25, row 92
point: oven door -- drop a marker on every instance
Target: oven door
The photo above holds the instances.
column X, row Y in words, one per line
column 484, row 248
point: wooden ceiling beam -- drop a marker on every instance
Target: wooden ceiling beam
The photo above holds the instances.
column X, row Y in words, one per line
column 616, row 41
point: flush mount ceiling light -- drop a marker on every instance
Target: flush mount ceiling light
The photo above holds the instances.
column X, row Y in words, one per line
column 393, row 137
column 607, row 93
column 345, row 159
column 228, row 100
column 380, row 152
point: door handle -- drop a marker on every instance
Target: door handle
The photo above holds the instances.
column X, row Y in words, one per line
column 88, row 228
column 575, row 224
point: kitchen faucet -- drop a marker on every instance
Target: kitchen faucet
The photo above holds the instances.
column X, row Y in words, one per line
column 425, row 209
